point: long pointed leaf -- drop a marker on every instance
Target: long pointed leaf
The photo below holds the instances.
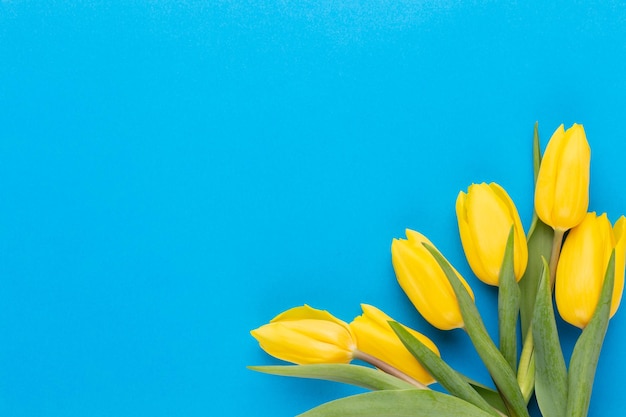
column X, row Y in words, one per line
column 492, row 397
column 536, row 151
column 403, row 403
column 361, row 376
column 441, row 371
column 508, row 304
column 497, row 366
column 550, row 372
column 587, row 349
column 539, row 245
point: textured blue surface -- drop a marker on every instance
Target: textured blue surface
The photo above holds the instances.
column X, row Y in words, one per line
column 174, row 174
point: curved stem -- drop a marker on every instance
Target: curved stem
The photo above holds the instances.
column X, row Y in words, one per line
column 385, row 367
column 557, row 241
column 526, row 369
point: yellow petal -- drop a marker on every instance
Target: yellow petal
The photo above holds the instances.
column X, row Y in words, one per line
column 619, row 232
column 469, row 242
column 490, row 223
column 582, row 267
column 307, row 312
column 375, row 337
column 520, row 246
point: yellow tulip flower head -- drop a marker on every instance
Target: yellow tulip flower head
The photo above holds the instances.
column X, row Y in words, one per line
column 485, row 216
column 562, row 188
column 582, row 267
column 305, row 335
column 375, row 337
column 425, row 283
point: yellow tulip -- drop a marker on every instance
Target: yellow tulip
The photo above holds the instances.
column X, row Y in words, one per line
column 305, row 335
column 562, row 188
column 485, row 216
column 582, row 267
column 375, row 337
column 425, row 283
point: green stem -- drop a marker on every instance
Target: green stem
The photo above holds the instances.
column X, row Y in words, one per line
column 526, row 370
column 557, row 241
column 385, row 367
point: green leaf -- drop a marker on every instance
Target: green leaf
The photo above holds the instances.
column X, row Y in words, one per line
column 582, row 366
column 508, row 304
column 441, row 371
column 491, row 396
column 550, row 372
column 540, row 240
column 526, row 367
column 497, row 366
column 402, row 403
column 536, row 151
column 361, row 376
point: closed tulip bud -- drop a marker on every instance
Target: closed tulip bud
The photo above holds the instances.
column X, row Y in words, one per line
column 304, row 335
column 425, row 283
column 582, row 267
column 562, row 188
column 485, row 216
column 375, row 337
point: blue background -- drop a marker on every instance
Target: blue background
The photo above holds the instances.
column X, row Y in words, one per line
column 174, row 174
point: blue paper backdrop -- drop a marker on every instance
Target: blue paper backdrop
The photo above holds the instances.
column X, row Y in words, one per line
column 174, row 174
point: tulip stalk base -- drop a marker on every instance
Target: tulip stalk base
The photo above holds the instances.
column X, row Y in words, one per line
column 385, row 367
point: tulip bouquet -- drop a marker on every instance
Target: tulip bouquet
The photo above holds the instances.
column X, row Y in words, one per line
column 575, row 255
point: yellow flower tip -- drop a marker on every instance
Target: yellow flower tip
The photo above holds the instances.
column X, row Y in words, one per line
column 582, row 266
column 416, row 237
column 375, row 337
column 425, row 283
column 485, row 216
column 460, row 199
column 304, row 335
column 619, row 234
column 560, row 131
column 562, row 188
